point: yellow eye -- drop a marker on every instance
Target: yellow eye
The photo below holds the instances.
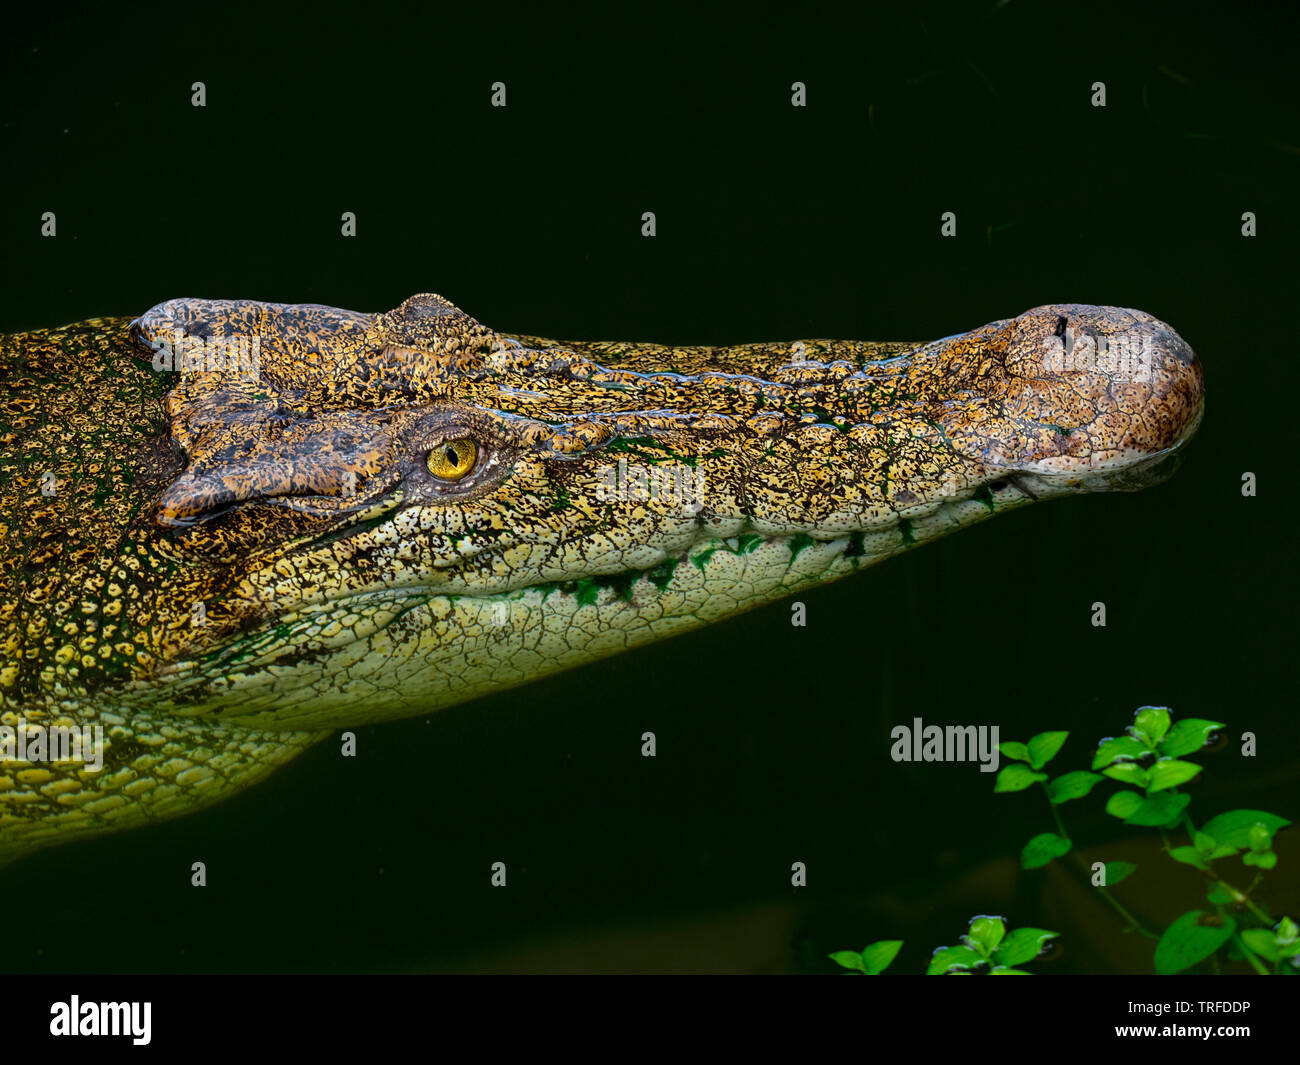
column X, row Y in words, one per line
column 452, row 459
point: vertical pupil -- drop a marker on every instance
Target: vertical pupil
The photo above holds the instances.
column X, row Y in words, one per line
column 452, row 458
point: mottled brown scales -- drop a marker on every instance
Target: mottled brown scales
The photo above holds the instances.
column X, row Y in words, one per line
column 224, row 534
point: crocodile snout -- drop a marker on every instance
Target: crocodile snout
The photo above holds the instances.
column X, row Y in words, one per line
column 1072, row 389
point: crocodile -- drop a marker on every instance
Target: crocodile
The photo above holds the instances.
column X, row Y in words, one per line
column 232, row 528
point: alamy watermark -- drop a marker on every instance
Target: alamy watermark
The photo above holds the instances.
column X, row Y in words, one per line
column 240, row 355
column 130, row 1019
column 1125, row 355
column 919, row 742
column 667, row 483
column 26, row 742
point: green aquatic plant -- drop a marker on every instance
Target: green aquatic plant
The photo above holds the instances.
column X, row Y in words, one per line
column 1149, row 758
column 871, row 960
column 986, row 948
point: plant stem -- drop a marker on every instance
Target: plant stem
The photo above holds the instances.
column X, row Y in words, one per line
column 1238, row 896
column 1249, row 955
column 1134, row 925
column 1056, row 813
column 1241, row 897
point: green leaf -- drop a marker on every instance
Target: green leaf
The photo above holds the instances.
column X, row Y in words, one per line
column 1044, row 746
column 1117, row 871
column 850, row 959
column 1223, row 850
column 1023, row 944
column 1169, row 773
column 1203, row 843
column 1233, row 828
column 1188, row 856
column 1261, row 941
column 985, row 934
column 1287, row 931
column 1017, row 777
column 1152, row 722
column 1187, row 736
column 1042, row 849
column 1266, row 860
column 1160, row 810
column 877, row 957
column 1128, row 773
column 1286, row 948
column 1188, row 941
column 1073, row 785
column 946, row 959
column 1018, row 751
column 1218, row 895
column 1002, row 970
column 1123, row 803
column 1114, row 747
column 1259, row 837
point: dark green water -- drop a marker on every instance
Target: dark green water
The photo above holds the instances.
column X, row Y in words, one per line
column 773, row 223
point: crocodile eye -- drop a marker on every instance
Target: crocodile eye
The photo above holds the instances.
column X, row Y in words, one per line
column 452, row 459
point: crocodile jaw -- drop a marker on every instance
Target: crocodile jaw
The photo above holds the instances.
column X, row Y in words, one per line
column 409, row 650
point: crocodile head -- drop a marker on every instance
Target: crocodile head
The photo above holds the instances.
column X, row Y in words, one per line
column 376, row 515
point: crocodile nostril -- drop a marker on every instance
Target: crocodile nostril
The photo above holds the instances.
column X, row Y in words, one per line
column 998, row 486
column 1062, row 323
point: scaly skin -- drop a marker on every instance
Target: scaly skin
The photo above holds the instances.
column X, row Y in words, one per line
column 225, row 566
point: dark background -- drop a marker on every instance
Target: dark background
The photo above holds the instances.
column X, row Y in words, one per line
column 773, row 223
